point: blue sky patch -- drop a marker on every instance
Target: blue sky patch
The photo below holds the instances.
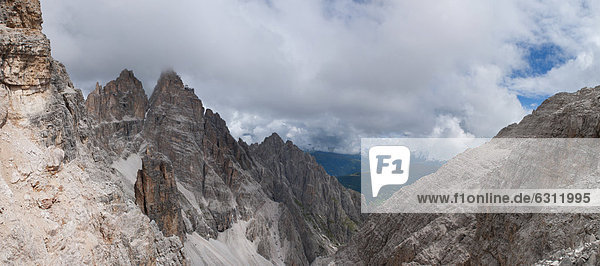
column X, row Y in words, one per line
column 540, row 59
column 533, row 102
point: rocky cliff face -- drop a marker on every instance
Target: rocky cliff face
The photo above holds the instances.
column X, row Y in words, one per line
column 21, row 14
column 201, row 153
column 564, row 115
column 491, row 238
column 57, row 205
column 296, row 180
column 118, row 109
column 25, row 50
column 73, row 171
column 224, row 183
column 156, row 193
column 199, row 182
column 121, row 99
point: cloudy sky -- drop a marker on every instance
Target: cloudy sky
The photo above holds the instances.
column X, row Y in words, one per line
column 324, row 73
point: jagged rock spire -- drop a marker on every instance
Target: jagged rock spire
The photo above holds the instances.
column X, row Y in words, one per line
column 156, row 193
column 121, row 99
column 170, row 89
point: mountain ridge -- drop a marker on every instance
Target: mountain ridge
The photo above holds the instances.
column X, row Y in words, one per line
column 494, row 238
column 216, row 171
column 124, row 179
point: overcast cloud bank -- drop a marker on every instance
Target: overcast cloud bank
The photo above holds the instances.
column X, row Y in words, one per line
column 325, row 73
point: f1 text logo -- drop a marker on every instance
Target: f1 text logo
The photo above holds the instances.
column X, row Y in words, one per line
column 389, row 165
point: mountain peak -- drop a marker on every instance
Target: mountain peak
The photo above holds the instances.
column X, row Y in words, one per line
column 170, row 88
column 171, row 93
column 126, row 74
column 122, row 98
column 274, row 139
column 561, row 116
column 170, row 79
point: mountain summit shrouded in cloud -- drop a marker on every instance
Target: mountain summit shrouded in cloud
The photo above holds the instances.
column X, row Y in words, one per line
column 340, row 69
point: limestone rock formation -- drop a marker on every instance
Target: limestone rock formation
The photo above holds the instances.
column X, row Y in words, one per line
column 156, row 193
column 118, row 109
column 223, row 186
column 121, row 99
column 21, row 14
column 493, row 238
column 304, row 187
column 72, row 171
column 58, row 205
column 225, row 182
column 25, row 49
column 564, row 115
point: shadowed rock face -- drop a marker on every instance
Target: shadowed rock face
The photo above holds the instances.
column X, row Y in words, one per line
column 300, row 183
column 226, row 181
column 118, row 109
column 177, row 125
column 504, row 239
column 156, row 193
column 121, row 99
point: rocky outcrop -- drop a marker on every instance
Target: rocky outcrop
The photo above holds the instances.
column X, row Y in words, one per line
column 223, row 182
column 564, row 115
column 21, row 14
column 25, row 49
column 57, row 204
column 493, row 238
column 118, row 110
column 121, row 99
column 25, row 58
column 34, row 89
column 319, row 204
column 175, row 125
column 156, row 194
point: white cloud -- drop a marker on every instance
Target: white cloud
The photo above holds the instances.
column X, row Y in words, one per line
column 326, row 72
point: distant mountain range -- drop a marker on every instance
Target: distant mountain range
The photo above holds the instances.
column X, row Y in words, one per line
column 337, row 164
column 345, row 167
